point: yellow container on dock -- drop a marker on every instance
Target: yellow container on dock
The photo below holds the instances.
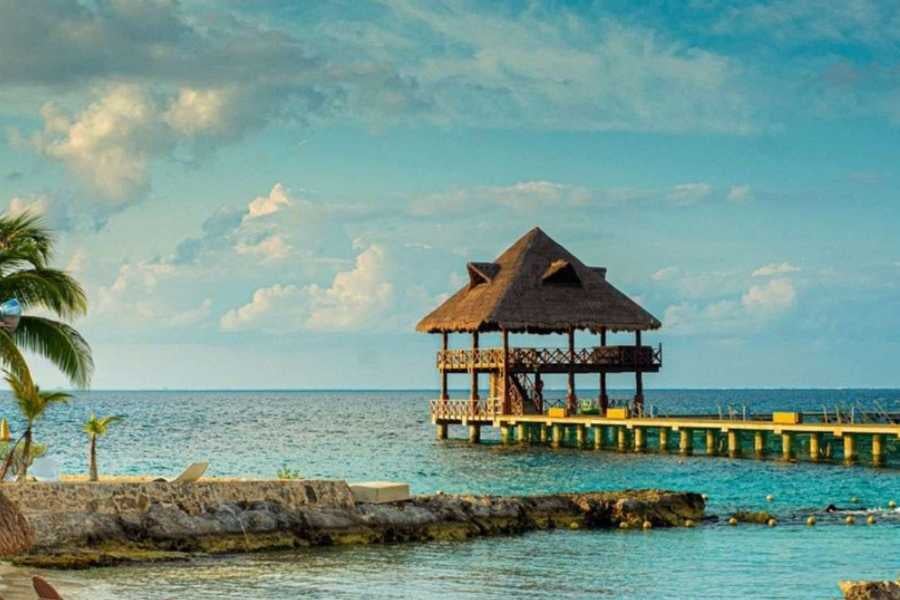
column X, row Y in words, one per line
column 557, row 412
column 786, row 418
column 620, row 412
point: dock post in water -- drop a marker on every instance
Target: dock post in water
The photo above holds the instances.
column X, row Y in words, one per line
column 663, row 439
column 849, row 448
column 474, row 433
column 440, row 431
column 710, row 442
column 759, row 443
column 621, row 438
column 639, row 442
column 556, row 435
column 544, row 434
column 505, row 433
column 877, row 450
column 521, row 432
column 734, row 443
column 686, row 441
column 787, row 445
column 815, row 446
column 580, row 437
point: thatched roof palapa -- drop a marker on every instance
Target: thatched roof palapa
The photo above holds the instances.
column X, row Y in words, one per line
column 537, row 286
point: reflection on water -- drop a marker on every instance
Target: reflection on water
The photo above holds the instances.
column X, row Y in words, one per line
column 386, row 435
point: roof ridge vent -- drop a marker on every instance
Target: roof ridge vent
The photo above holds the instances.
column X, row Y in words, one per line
column 481, row 272
column 562, row 273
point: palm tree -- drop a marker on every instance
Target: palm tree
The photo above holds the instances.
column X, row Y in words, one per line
column 95, row 428
column 32, row 403
column 26, row 247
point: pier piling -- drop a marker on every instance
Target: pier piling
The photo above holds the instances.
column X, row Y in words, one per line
column 505, row 434
column 639, row 441
column 685, row 442
column 580, row 438
column 787, row 445
column 849, row 448
column 544, row 435
column 440, row 431
column 598, row 437
column 878, row 450
column 710, row 442
column 759, row 444
column 815, row 446
column 521, row 433
column 474, row 433
column 556, row 435
column 663, row 439
column 734, row 443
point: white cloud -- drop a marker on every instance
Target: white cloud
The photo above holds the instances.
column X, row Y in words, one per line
column 775, row 296
column 687, row 194
column 739, row 194
column 273, row 247
column 775, row 269
column 354, row 300
column 267, row 205
column 756, row 307
column 665, row 273
column 36, row 205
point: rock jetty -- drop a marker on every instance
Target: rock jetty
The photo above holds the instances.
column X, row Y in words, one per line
column 85, row 525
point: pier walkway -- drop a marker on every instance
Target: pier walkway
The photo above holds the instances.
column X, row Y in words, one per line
column 728, row 437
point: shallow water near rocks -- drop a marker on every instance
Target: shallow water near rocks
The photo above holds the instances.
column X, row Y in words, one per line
column 387, row 435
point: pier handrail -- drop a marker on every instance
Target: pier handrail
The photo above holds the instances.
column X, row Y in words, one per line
column 535, row 358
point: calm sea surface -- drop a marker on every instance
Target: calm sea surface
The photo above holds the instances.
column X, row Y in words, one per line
column 387, row 435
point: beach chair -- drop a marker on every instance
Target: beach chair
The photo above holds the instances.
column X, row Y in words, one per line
column 190, row 475
column 44, row 469
column 44, row 590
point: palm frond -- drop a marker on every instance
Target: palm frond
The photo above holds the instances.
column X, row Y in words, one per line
column 11, row 359
column 50, row 288
column 25, row 235
column 60, row 344
column 98, row 426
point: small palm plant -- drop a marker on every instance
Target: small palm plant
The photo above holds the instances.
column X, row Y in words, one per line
column 32, row 403
column 96, row 427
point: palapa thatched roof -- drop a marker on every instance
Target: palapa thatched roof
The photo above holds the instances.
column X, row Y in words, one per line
column 537, row 286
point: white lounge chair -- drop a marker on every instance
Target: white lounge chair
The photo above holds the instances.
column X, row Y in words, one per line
column 190, row 475
column 44, row 469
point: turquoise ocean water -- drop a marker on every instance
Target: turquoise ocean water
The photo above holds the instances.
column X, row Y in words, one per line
column 387, row 435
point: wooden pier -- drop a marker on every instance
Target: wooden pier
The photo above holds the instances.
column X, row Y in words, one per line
column 719, row 437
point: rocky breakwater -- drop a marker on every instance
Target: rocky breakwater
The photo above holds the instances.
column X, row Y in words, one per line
column 83, row 525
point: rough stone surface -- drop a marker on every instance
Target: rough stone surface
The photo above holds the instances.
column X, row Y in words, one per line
column 112, row 526
column 15, row 534
column 870, row 590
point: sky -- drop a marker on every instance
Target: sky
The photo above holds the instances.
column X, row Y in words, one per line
column 272, row 194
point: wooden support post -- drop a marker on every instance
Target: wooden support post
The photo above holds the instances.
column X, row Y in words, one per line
column 544, row 433
column 571, row 398
column 710, row 442
column 621, row 439
column 815, row 446
column 474, row 433
column 759, row 443
column 639, row 441
column 598, row 437
column 556, row 436
column 440, row 431
column 638, row 377
column 505, row 434
column 473, row 395
column 444, row 344
column 849, row 448
column 878, row 450
column 663, row 439
column 603, row 400
column 734, row 443
column 520, row 433
column 580, row 435
column 686, row 441
column 787, row 445
column 505, row 372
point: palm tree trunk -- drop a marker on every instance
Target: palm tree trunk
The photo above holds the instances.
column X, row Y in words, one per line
column 94, row 476
column 9, row 459
column 26, row 454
